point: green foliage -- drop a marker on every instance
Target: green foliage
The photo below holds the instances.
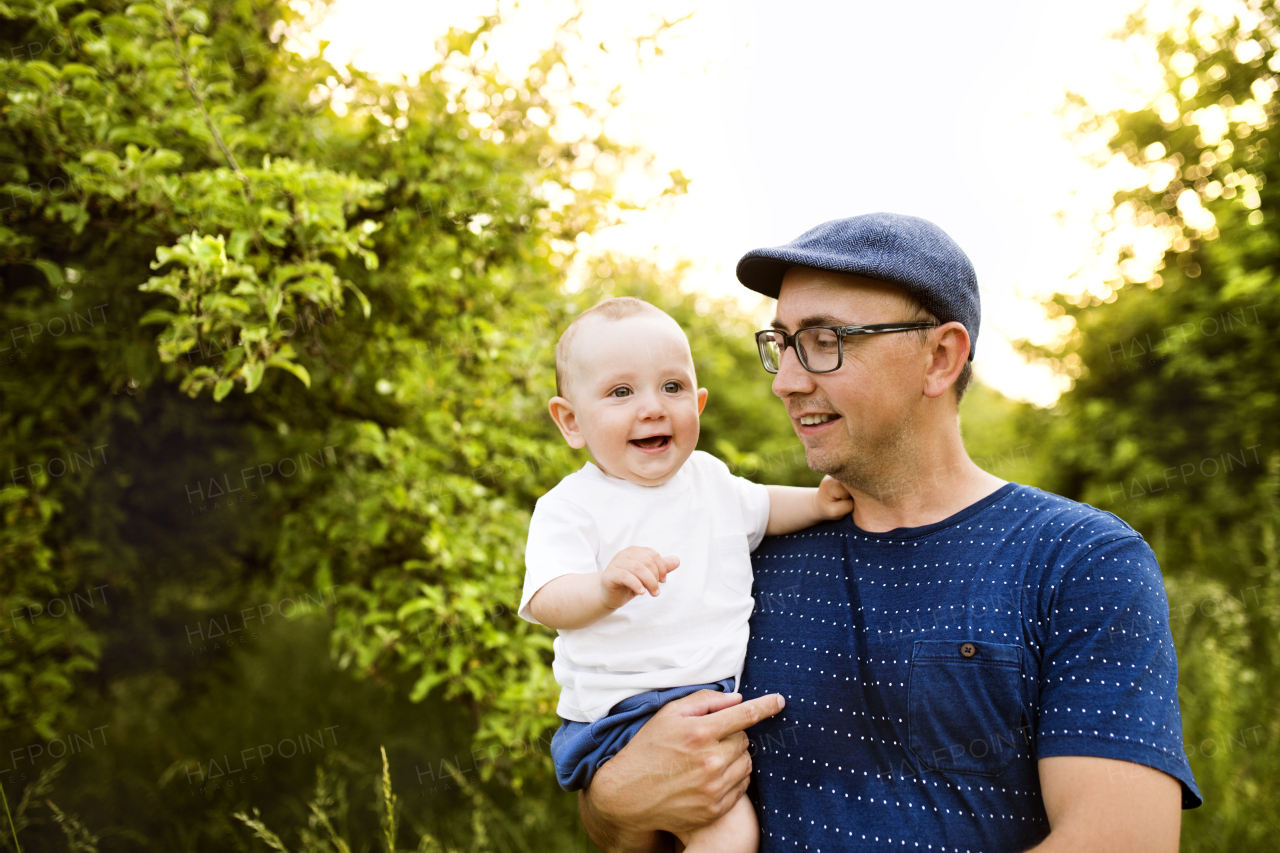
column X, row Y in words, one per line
column 1001, row 436
column 182, row 181
column 1173, row 421
column 492, row 828
column 235, row 302
column 78, row 838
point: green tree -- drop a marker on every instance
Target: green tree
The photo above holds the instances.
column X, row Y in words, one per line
column 1173, row 420
column 257, row 347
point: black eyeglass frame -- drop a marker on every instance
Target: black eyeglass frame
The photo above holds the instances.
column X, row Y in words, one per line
column 841, row 333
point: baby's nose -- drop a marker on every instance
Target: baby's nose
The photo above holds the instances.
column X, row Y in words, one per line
column 651, row 407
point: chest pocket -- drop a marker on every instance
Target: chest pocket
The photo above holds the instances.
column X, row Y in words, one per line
column 965, row 706
column 731, row 563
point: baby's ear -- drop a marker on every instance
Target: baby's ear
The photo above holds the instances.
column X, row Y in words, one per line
column 562, row 413
column 702, row 399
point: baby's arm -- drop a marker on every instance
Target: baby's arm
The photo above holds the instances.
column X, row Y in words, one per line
column 576, row 601
column 792, row 509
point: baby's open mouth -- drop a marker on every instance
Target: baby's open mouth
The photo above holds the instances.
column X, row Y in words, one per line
column 653, row 442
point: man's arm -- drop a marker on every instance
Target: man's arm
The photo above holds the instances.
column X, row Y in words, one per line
column 1101, row 805
column 792, row 508
column 1100, row 734
column 686, row 767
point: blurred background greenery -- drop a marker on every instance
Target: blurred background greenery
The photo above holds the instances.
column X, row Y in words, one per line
column 273, row 384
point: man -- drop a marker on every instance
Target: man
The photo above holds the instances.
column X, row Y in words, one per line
column 964, row 664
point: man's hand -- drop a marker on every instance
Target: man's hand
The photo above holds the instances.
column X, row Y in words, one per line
column 632, row 572
column 832, row 499
column 685, row 768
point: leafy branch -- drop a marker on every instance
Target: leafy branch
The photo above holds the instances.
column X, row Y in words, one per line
column 237, row 309
column 175, row 32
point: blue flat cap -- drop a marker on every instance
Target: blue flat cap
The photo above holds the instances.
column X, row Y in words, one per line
column 908, row 251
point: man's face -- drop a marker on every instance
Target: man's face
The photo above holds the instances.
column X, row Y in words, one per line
column 855, row 420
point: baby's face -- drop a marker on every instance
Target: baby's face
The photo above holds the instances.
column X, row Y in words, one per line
column 632, row 397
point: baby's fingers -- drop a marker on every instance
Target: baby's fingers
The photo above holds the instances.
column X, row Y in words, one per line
column 661, row 565
column 624, row 578
column 667, row 564
column 645, row 572
column 834, row 490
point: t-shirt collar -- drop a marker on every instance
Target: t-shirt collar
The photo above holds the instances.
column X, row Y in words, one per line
column 919, row 532
column 592, row 470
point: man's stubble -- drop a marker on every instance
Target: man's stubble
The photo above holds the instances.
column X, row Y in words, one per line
column 877, row 463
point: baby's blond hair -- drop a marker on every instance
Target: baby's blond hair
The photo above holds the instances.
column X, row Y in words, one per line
column 617, row 308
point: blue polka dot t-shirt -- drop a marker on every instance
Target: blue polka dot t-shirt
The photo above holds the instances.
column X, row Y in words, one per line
column 927, row 669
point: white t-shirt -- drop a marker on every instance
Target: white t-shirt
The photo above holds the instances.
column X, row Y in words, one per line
column 695, row 632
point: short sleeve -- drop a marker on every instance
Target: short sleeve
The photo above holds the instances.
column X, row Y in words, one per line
column 754, row 500
column 1109, row 674
column 562, row 541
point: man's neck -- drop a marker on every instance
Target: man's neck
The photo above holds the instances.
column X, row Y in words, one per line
column 924, row 490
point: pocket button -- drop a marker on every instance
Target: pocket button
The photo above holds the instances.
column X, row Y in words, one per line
column 968, row 650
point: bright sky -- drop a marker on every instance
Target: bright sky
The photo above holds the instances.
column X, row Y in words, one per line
column 784, row 116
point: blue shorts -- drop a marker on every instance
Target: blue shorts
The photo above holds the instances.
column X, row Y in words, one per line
column 578, row 749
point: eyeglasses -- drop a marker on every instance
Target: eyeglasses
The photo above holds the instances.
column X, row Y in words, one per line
column 821, row 348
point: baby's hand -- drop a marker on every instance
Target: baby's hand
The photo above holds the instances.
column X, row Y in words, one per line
column 833, row 499
column 631, row 572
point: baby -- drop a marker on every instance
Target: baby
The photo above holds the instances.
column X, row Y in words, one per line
column 651, row 516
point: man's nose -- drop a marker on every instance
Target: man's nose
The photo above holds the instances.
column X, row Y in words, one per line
column 791, row 377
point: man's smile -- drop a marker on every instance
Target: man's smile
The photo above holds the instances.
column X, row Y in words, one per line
column 809, row 423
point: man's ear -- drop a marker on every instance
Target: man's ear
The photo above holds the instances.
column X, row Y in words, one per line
column 947, row 352
column 702, row 399
column 562, row 413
